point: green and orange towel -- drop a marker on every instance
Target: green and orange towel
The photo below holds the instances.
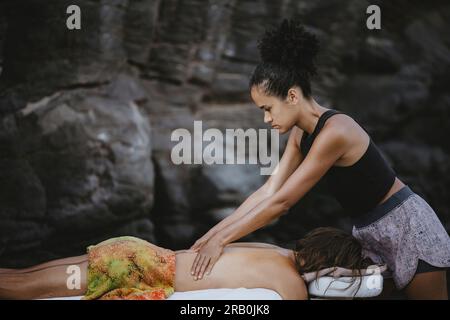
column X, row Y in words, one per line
column 129, row 268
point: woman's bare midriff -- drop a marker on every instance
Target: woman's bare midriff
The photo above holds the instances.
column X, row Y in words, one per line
column 396, row 186
column 237, row 267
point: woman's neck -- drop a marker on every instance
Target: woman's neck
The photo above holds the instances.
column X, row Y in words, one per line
column 309, row 114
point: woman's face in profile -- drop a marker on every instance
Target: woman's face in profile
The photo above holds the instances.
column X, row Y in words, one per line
column 279, row 114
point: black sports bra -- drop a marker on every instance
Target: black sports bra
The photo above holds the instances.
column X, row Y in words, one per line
column 361, row 186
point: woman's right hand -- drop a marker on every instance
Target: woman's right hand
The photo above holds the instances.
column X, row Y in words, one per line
column 206, row 258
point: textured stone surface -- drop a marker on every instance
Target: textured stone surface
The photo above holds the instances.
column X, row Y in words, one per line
column 82, row 167
column 43, row 56
column 140, row 69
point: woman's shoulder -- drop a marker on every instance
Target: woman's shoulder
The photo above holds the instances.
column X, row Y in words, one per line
column 340, row 120
column 289, row 283
column 347, row 127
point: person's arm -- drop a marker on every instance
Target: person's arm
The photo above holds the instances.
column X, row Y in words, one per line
column 254, row 199
column 327, row 148
column 290, row 160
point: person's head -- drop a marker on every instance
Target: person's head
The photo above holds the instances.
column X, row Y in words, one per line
column 282, row 80
column 329, row 247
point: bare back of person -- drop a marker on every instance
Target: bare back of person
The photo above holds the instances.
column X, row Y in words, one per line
column 242, row 265
column 248, row 265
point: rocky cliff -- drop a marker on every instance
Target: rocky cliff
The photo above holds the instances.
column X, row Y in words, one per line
column 86, row 115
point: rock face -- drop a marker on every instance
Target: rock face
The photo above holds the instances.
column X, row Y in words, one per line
column 84, row 163
column 86, row 116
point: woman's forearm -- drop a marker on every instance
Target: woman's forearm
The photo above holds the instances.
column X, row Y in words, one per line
column 251, row 202
column 261, row 215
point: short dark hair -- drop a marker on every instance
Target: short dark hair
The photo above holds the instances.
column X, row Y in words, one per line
column 287, row 59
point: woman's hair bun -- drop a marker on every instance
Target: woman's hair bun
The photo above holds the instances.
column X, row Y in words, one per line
column 290, row 45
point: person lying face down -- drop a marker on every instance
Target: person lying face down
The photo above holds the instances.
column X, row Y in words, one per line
column 131, row 268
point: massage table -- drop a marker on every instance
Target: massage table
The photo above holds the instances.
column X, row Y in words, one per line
column 326, row 287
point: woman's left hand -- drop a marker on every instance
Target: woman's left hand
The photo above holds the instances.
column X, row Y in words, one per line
column 206, row 258
column 202, row 241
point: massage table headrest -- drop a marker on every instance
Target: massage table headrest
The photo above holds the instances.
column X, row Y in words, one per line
column 340, row 282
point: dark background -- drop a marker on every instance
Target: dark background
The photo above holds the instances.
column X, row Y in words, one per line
column 86, row 115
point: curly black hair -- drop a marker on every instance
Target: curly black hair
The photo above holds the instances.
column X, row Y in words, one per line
column 287, row 54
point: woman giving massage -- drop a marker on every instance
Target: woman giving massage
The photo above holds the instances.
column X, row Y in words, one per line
column 131, row 268
column 394, row 224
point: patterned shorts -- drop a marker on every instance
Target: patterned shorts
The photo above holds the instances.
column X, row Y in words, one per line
column 401, row 232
